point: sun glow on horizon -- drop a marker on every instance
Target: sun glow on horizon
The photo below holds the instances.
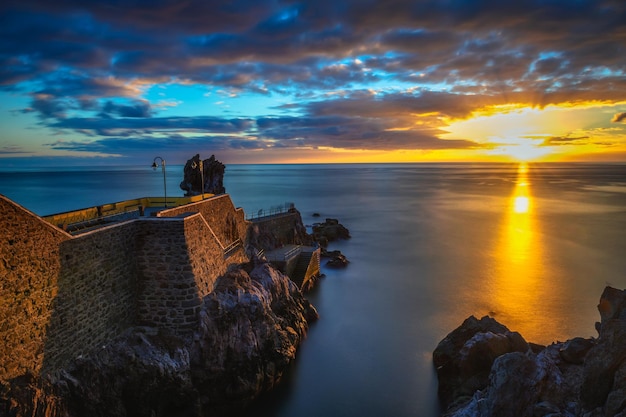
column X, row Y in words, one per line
column 552, row 133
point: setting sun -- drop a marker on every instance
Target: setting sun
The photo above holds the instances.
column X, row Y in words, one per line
column 552, row 133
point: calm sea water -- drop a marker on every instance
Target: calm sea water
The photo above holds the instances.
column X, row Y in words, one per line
column 432, row 244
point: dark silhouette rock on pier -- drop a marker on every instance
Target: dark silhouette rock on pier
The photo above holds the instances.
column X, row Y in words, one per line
column 212, row 176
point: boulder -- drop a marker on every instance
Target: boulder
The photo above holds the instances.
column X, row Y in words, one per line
column 338, row 261
column 575, row 350
column 329, row 231
column 212, row 175
column 464, row 357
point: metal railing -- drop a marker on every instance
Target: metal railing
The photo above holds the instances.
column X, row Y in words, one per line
column 272, row 211
column 110, row 210
column 284, row 256
column 228, row 250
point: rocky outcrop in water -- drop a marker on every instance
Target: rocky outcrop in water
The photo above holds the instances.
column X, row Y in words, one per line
column 213, row 171
column 486, row 370
column 336, row 259
column 250, row 328
column 329, row 231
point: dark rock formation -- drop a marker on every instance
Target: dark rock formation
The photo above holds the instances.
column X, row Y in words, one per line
column 250, row 328
column 213, row 171
column 463, row 359
column 579, row 377
column 337, row 259
column 329, row 231
column 604, row 383
column 575, row 350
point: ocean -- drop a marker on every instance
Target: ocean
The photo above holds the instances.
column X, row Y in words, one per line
column 531, row 245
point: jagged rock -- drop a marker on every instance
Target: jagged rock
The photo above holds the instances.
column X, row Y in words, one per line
column 512, row 379
column 524, row 384
column 604, row 364
column 329, row 231
column 250, row 328
column 213, row 171
column 580, row 377
column 463, row 359
column 338, row 261
column 324, row 253
column 575, row 350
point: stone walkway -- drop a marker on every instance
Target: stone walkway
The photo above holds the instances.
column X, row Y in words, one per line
column 281, row 254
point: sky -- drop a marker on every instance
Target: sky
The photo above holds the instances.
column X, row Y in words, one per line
column 323, row 81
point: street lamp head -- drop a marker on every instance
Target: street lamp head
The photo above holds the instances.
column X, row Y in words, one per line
column 154, row 167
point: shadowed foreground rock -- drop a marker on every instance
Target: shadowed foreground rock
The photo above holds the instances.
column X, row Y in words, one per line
column 250, row 328
column 486, row 370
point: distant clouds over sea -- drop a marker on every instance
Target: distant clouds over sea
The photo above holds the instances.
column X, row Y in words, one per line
column 313, row 81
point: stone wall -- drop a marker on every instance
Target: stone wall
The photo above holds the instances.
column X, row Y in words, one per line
column 166, row 294
column 206, row 258
column 276, row 231
column 227, row 222
column 179, row 259
column 30, row 265
column 96, row 292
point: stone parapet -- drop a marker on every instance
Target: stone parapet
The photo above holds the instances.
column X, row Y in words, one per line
column 30, row 263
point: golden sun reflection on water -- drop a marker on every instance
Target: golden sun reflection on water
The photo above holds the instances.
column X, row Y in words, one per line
column 517, row 284
column 521, row 204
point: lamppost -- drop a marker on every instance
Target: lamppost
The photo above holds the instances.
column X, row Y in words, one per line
column 200, row 165
column 154, row 167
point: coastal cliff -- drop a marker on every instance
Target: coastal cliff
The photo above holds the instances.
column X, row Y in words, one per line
column 484, row 369
column 249, row 330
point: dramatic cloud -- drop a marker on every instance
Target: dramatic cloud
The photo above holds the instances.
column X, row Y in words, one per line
column 373, row 75
column 619, row 117
column 564, row 140
column 104, row 126
column 139, row 109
